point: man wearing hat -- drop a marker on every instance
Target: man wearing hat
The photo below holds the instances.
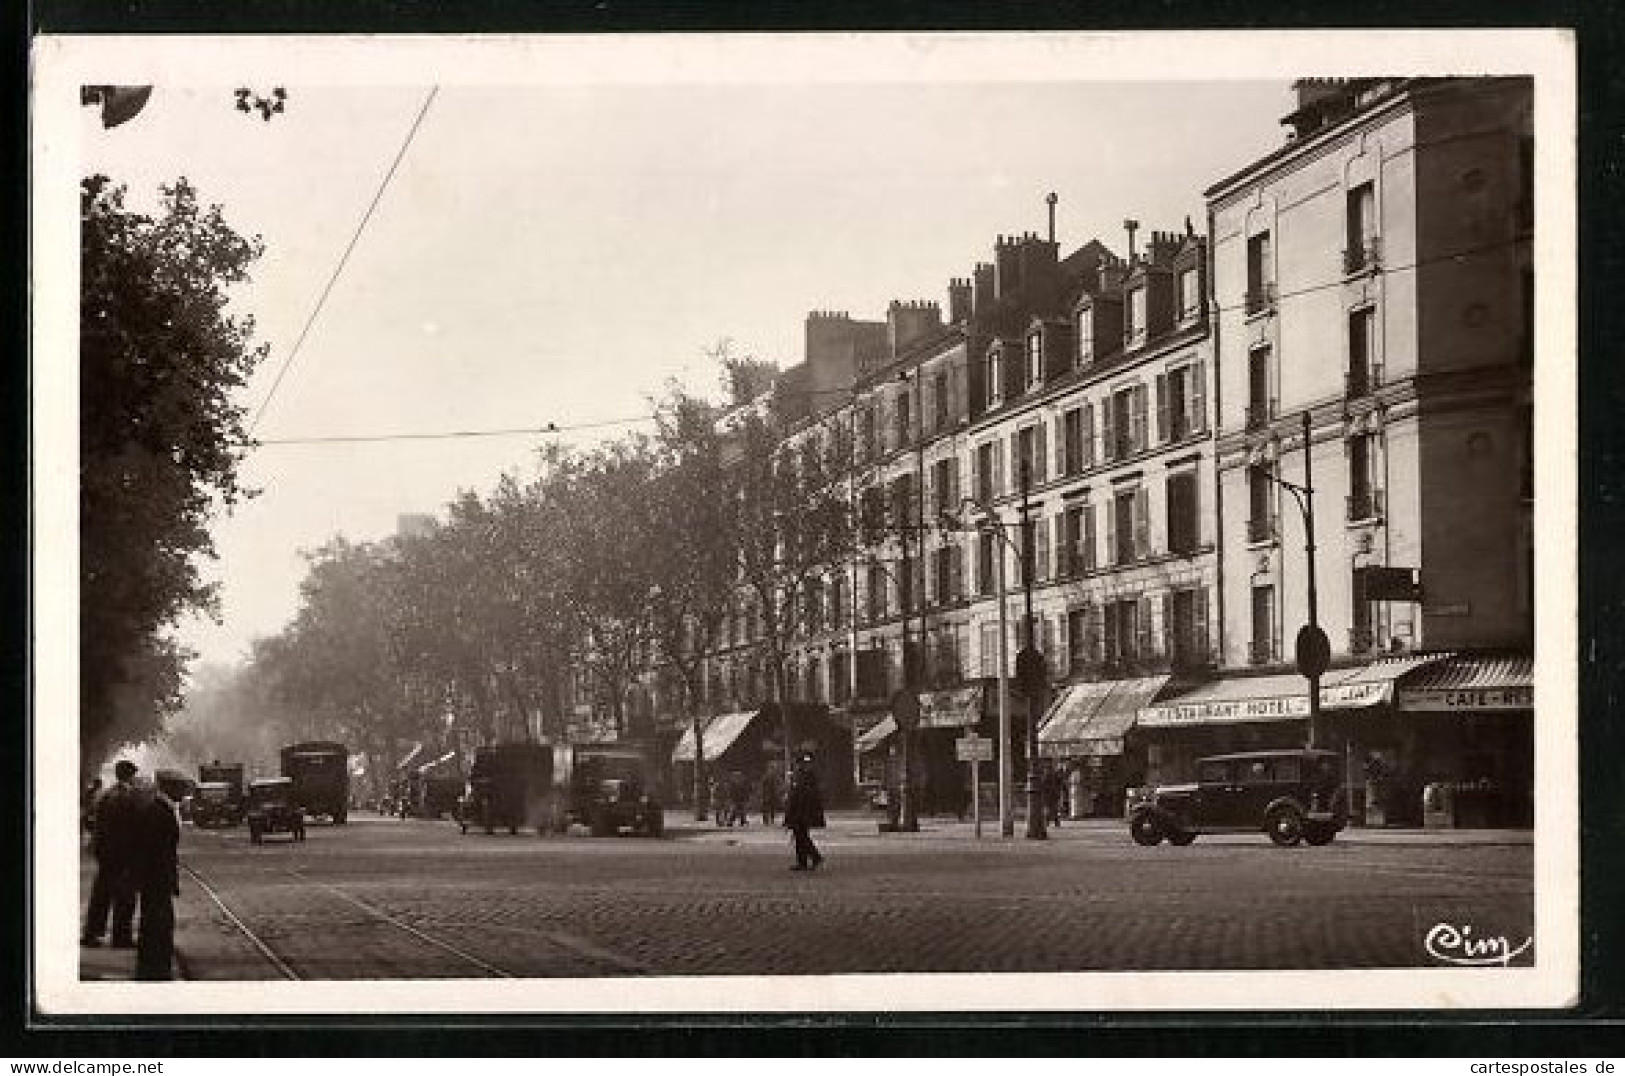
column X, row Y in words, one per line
column 804, row 811
column 112, row 842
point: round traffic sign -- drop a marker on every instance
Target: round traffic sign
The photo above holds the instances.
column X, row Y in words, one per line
column 1314, row 650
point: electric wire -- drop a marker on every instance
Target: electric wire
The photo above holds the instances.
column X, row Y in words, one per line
column 344, row 259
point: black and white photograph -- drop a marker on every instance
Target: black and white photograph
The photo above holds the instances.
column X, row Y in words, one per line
column 827, row 522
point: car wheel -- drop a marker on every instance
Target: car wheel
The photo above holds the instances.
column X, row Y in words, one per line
column 1285, row 826
column 1145, row 830
column 656, row 826
column 513, row 831
column 1181, row 837
column 1319, row 835
column 601, row 825
column 338, row 819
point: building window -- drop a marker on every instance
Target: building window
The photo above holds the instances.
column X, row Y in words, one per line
column 1035, row 360
column 1362, row 371
column 1134, row 330
column 988, row 480
column 1031, row 453
column 1261, row 504
column 1261, row 650
column 1077, row 542
column 837, row 601
column 947, row 583
column 1072, row 441
column 1083, row 638
column 1123, row 422
column 866, row 432
column 940, row 395
column 1185, row 623
column 1124, row 627
column 1182, row 514
column 905, row 585
column 986, row 578
column 1260, row 404
column 877, row 593
column 1362, row 638
column 905, row 419
column 1086, row 336
column 994, row 376
column 1260, row 274
column 1365, row 499
column 1041, row 551
column 943, row 485
column 1128, row 530
column 1190, row 296
column 1361, row 252
column 1181, row 402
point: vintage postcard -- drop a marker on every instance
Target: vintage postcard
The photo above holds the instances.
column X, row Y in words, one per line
column 805, row 523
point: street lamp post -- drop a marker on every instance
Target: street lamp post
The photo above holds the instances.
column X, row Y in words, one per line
column 1007, row 823
column 1030, row 670
column 1313, row 649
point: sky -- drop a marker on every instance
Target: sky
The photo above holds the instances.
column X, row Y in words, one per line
column 555, row 253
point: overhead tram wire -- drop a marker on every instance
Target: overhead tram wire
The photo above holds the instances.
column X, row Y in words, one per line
column 298, row 344
column 552, row 428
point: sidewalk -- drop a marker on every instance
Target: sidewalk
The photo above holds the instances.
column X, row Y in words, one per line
column 106, row 963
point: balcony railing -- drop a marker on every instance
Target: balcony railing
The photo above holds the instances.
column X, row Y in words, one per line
column 1260, row 652
column 1259, row 414
column 1365, row 504
column 1362, row 379
column 1262, row 529
column 1363, row 256
column 1260, row 298
column 1362, row 641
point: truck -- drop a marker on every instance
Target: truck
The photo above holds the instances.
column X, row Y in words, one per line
column 508, row 787
column 320, row 770
column 218, row 800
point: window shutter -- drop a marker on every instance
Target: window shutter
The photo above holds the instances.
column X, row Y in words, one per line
column 1143, row 645
column 956, row 572
column 1059, row 662
column 1092, row 631
column 1169, row 643
column 1110, row 644
column 1142, row 523
column 1088, row 437
column 1162, row 407
column 1041, row 452
column 1063, row 550
column 1199, row 625
column 1063, row 464
column 1111, row 530
column 1196, row 398
column 1040, row 549
column 1138, row 401
column 999, row 486
column 1016, row 462
column 1108, row 446
column 954, row 496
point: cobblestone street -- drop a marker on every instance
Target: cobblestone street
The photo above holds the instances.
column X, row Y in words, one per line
column 381, row 898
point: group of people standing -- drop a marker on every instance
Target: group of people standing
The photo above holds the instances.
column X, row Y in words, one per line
column 135, row 837
column 801, row 802
column 731, row 793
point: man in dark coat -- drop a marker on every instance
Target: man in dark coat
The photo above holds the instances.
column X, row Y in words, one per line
column 112, row 840
column 771, row 790
column 157, row 875
column 804, row 811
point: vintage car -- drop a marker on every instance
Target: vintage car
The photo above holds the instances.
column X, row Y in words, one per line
column 1292, row 795
column 271, row 809
column 215, row 803
column 606, row 789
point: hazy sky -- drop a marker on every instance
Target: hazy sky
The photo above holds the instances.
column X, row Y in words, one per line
column 554, row 253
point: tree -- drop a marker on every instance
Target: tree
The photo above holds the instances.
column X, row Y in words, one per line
column 694, row 566
column 161, row 442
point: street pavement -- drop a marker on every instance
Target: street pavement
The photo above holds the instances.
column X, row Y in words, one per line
column 383, row 898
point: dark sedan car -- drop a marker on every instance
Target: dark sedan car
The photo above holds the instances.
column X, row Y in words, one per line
column 1292, row 795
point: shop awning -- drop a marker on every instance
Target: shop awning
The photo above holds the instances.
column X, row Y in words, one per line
column 952, row 708
column 878, row 734
column 1283, row 696
column 1473, row 682
column 720, row 733
column 1092, row 719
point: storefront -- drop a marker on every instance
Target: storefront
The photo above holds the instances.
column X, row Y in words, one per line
column 1084, row 735
column 941, row 782
column 750, row 741
column 1470, row 720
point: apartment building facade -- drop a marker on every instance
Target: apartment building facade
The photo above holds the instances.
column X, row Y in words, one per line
column 1373, row 285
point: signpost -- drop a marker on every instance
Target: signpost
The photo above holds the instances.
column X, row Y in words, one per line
column 975, row 750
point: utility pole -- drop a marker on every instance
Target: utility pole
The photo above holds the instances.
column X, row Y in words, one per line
column 1313, row 650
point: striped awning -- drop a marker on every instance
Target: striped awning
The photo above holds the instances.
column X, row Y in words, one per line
column 1093, row 718
column 877, row 734
column 720, row 733
column 1473, row 682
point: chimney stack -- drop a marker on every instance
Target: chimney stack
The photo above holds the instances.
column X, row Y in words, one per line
column 959, row 300
column 1131, row 226
column 1050, row 200
column 982, row 285
column 908, row 322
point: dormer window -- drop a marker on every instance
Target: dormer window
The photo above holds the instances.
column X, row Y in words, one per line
column 1086, row 336
column 1134, row 328
column 994, row 376
column 1035, row 359
column 1190, row 296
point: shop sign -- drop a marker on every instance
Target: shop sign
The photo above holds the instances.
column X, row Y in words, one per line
column 1337, row 697
column 1447, row 699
